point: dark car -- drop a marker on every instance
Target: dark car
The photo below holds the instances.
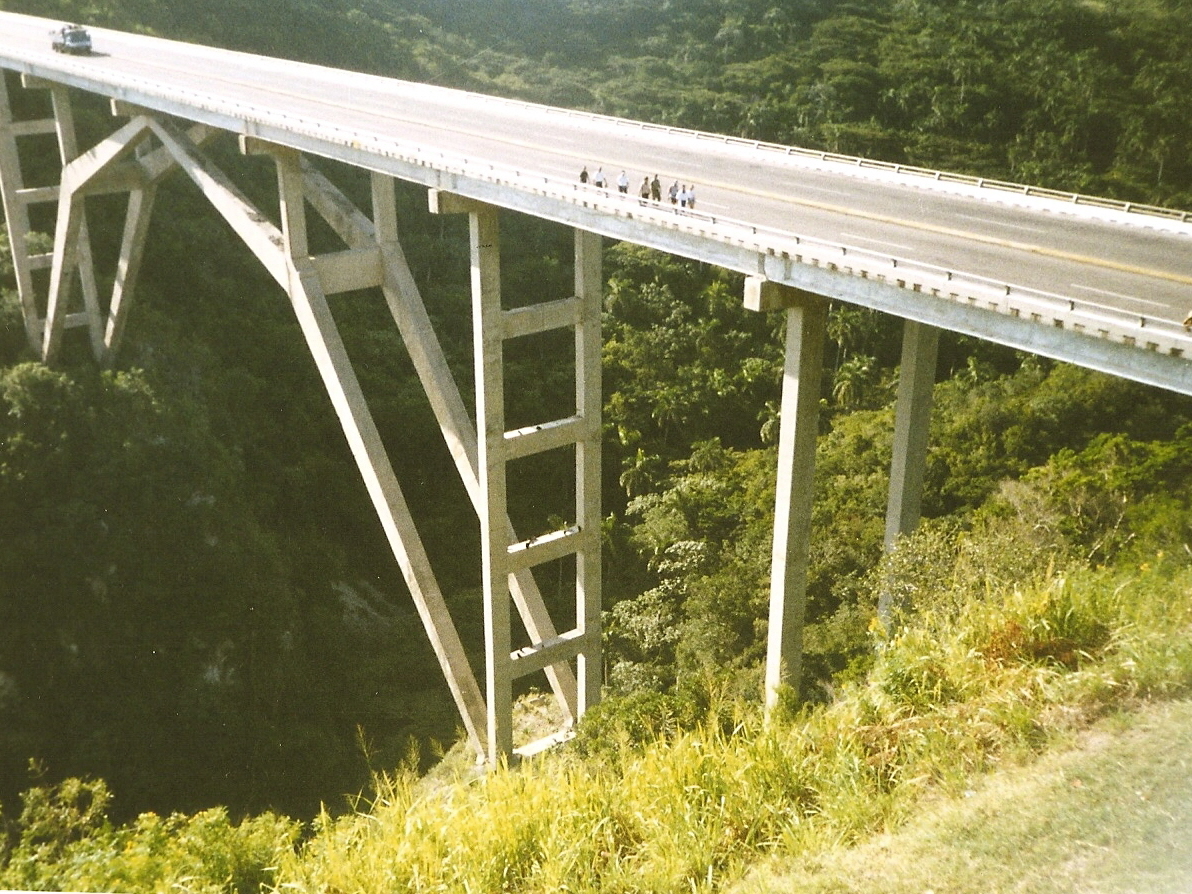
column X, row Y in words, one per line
column 72, row 39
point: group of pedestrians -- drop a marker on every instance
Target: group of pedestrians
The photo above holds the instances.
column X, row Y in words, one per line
column 681, row 196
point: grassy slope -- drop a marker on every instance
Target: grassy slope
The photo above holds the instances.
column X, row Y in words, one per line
column 1112, row 813
column 972, row 682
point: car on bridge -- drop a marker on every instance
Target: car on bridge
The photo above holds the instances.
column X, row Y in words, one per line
column 72, row 39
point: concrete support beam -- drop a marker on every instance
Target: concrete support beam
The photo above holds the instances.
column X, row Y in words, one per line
column 806, row 316
column 128, row 266
column 506, row 561
column 261, row 237
column 16, row 212
column 442, row 202
column 67, row 266
column 140, row 177
column 323, row 339
column 912, row 421
column 430, row 362
column 589, row 289
column 284, row 253
column 68, row 150
column 916, row 384
column 116, row 164
column 71, row 250
column 763, row 295
column 485, row 242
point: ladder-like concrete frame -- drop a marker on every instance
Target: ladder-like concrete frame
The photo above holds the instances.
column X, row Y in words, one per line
column 17, row 199
column 137, row 156
column 134, row 159
column 506, row 560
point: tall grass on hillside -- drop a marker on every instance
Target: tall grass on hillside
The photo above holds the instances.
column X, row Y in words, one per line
column 963, row 685
column 957, row 691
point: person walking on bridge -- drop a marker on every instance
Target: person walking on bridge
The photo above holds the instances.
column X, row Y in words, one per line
column 644, row 192
column 656, row 189
column 583, row 175
column 623, row 183
column 598, row 178
column 673, row 192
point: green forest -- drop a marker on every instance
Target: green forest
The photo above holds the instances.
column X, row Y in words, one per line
column 210, row 668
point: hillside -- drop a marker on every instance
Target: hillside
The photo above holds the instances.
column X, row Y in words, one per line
column 957, row 745
column 197, row 606
column 1111, row 813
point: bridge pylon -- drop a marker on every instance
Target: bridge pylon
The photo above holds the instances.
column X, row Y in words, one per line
column 506, row 559
column 74, row 261
column 149, row 147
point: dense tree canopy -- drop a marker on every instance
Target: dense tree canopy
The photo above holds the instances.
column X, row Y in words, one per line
column 195, row 599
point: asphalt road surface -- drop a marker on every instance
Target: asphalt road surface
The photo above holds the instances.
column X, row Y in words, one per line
column 1132, row 263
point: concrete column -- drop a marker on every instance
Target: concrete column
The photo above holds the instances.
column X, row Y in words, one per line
column 68, row 150
column 16, row 213
column 588, row 403
column 806, row 315
column 916, row 382
column 490, row 424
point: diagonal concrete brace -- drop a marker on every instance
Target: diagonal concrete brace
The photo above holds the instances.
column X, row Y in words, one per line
column 409, row 312
column 75, row 177
column 299, row 278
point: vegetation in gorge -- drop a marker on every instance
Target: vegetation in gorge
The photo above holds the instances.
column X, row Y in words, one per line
column 197, row 607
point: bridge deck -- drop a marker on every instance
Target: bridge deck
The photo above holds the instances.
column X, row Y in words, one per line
column 868, row 234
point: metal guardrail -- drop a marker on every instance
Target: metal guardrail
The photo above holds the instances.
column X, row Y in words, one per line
column 1150, row 333
column 853, row 161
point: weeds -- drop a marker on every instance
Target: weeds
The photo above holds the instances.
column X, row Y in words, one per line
column 650, row 805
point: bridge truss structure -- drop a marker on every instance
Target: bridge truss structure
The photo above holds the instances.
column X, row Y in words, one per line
column 140, row 154
column 164, row 133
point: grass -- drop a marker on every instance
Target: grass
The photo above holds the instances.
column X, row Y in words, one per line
column 1111, row 813
column 972, row 682
column 969, row 686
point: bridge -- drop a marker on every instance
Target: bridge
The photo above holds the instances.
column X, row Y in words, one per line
column 1100, row 283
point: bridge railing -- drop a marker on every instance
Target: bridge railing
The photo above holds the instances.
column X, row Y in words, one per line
column 1092, row 319
column 1004, row 186
column 1086, row 317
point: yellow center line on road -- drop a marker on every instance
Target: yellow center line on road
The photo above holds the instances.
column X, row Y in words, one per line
column 939, row 230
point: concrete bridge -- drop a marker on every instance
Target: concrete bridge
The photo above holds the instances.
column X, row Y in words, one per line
column 1090, row 281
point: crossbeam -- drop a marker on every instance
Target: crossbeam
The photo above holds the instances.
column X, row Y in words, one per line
column 284, row 253
column 409, row 312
